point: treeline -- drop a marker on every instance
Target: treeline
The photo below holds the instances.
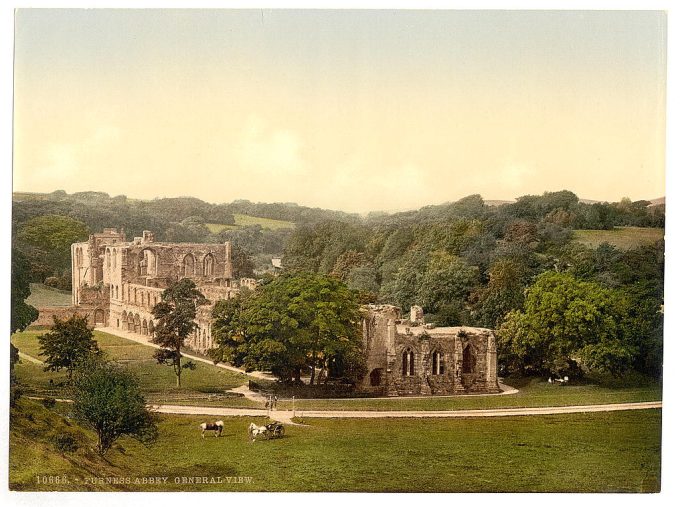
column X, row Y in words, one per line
column 467, row 263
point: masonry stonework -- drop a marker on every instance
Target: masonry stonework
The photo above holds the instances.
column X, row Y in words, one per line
column 117, row 282
column 409, row 357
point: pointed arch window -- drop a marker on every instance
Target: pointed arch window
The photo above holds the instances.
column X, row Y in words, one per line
column 407, row 363
column 437, row 363
column 189, row 265
column 209, row 265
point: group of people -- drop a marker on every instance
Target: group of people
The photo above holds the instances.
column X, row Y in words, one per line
column 271, row 402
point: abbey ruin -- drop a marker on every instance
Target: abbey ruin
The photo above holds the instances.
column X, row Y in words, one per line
column 117, row 282
column 405, row 356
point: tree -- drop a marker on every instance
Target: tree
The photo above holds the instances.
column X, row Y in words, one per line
column 69, row 342
column 296, row 322
column 22, row 314
column 107, row 398
column 49, row 239
column 176, row 313
column 566, row 321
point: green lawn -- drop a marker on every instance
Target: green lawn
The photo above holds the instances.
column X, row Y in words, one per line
column 624, row 238
column 246, row 220
column 156, row 380
column 534, row 393
column 42, row 295
column 618, row 451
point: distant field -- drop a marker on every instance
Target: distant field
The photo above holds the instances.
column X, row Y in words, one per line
column 624, row 238
column 42, row 295
column 246, row 220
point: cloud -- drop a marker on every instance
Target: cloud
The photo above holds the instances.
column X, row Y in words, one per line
column 264, row 150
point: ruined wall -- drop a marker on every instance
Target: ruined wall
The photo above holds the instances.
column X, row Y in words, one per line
column 424, row 360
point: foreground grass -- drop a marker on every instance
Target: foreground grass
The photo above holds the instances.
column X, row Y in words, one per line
column 156, row 380
column 624, row 238
column 42, row 295
column 618, row 451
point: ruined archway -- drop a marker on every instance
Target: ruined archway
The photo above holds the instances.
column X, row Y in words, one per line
column 469, row 359
column 376, row 377
column 189, row 265
column 99, row 317
column 209, row 265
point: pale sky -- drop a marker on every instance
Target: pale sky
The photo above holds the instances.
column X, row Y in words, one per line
column 350, row 110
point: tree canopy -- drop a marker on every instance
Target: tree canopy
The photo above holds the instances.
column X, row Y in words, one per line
column 176, row 314
column 567, row 321
column 297, row 322
column 108, row 399
column 68, row 342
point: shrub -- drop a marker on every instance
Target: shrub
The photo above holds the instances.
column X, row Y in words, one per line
column 49, row 402
column 65, row 442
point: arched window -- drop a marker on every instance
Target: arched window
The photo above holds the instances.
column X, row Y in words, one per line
column 113, row 254
column 437, row 363
column 209, row 265
column 468, row 359
column 108, row 258
column 407, row 363
column 145, row 328
column 147, row 262
column 189, row 265
column 116, row 292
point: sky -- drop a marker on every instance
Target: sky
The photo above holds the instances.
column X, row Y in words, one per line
column 352, row 110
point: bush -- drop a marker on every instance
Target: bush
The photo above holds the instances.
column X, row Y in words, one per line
column 65, row 442
column 58, row 282
column 49, row 402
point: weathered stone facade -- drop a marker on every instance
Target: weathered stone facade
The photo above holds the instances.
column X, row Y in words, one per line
column 119, row 282
column 409, row 357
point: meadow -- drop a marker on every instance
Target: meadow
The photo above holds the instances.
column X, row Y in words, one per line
column 42, row 295
column 206, row 385
column 603, row 452
column 625, row 238
column 247, row 220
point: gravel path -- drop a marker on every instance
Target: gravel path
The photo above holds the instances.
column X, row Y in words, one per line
column 287, row 415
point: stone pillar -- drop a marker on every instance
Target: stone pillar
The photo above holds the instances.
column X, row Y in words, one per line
column 491, row 363
column 228, row 267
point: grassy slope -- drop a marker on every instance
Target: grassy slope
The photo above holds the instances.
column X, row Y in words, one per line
column 619, row 451
column 624, row 238
column 246, row 220
column 156, row 380
column 42, row 295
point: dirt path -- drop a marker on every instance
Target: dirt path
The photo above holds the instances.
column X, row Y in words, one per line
column 30, row 359
column 142, row 340
column 287, row 415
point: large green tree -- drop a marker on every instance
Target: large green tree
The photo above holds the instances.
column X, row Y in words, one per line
column 22, row 314
column 567, row 321
column 68, row 342
column 48, row 240
column 296, row 322
column 108, row 399
column 176, row 314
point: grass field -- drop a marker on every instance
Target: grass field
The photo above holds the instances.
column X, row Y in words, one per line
column 624, row 238
column 246, row 220
column 618, row 451
column 42, row 295
column 156, row 380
